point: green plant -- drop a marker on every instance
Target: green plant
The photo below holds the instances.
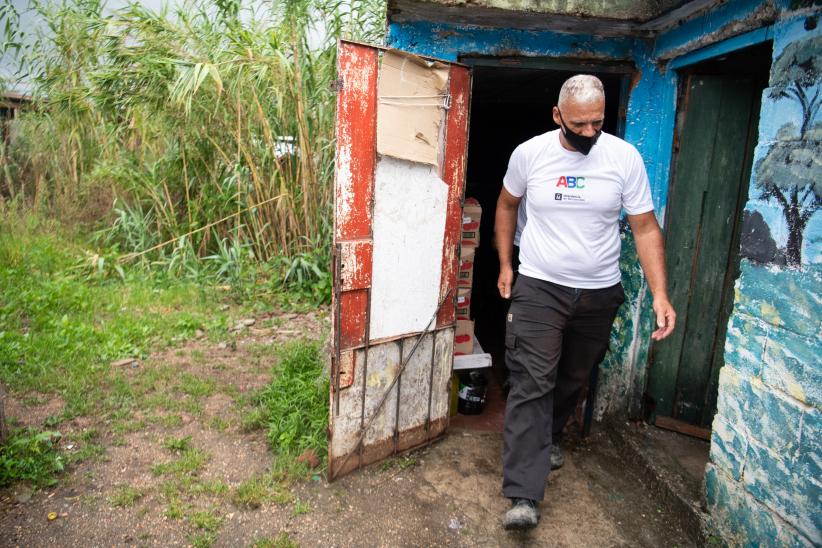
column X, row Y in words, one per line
column 282, row 540
column 210, row 130
column 59, row 330
column 294, row 406
column 30, row 455
column 300, row 508
column 206, row 520
column 177, row 444
column 202, row 540
column 257, row 490
column 190, row 461
column 125, row 496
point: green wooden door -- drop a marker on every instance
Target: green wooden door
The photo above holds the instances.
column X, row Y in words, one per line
column 715, row 138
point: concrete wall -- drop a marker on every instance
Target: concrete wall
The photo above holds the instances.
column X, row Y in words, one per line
column 764, row 479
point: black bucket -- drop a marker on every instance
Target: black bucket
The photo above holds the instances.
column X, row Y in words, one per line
column 473, row 388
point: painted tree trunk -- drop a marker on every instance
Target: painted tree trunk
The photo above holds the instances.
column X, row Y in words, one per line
column 796, row 228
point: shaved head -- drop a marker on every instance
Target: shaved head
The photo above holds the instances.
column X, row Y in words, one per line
column 583, row 89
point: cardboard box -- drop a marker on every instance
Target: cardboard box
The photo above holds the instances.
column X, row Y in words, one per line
column 464, row 338
column 476, row 360
column 463, row 304
column 465, row 276
column 471, row 215
column 467, row 252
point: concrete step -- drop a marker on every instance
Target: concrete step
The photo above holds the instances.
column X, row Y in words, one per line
column 674, row 465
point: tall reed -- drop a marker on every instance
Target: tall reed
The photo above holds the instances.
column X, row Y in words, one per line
column 159, row 123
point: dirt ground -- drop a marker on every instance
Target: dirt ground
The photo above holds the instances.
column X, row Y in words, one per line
column 448, row 494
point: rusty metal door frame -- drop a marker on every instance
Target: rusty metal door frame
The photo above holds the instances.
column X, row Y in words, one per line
column 366, row 373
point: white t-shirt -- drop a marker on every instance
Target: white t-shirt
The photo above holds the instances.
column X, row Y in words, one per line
column 573, row 205
column 522, row 218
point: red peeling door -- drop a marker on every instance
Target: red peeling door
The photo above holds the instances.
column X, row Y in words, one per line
column 402, row 126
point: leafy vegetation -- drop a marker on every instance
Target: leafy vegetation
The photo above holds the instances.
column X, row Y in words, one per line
column 208, row 125
column 30, row 455
column 294, row 407
column 183, row 159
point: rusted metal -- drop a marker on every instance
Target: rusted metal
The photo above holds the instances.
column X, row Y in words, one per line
column 365, row 369
column 356, row 141
column 335, row 363
column 353, row 318
column 345, row 372
column 456, row 145
column 430, row 388
column 376, row 47
column 366, row 423
column 379, row 406
column 356, row 264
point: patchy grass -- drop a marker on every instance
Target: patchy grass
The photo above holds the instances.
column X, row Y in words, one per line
column 300, row 507
column 189, row 462
column 177, row 444
column 218, row 423
column 61, row 326
column 125, row 496
column 206, row 520
column 282, row 540
column 84, row 446
column 254, row 492
column 202, row 540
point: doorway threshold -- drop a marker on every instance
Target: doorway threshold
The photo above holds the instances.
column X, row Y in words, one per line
column 675, row 465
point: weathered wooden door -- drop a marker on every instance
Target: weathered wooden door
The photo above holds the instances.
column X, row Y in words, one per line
column 715, row 138
column 400, row 167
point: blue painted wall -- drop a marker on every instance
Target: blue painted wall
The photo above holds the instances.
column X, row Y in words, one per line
column 623, row 371
column 764, row 479
column 763, row 484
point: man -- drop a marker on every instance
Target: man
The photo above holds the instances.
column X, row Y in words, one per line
column 577, row 180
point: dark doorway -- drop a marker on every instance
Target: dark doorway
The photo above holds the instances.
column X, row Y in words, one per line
column 511, row 102
column 716, row 133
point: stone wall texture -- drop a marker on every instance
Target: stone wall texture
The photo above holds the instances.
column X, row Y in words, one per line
column 764, row 480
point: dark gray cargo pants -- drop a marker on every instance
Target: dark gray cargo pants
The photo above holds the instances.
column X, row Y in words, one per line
column 554, row 336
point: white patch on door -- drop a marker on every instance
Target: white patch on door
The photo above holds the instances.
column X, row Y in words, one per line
column 410, row 203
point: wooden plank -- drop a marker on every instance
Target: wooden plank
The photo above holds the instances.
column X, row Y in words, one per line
column 674, row 425
column 733, row 271
column 718, row 222
column 356, row 141
column 684, row 209
column 456, row 146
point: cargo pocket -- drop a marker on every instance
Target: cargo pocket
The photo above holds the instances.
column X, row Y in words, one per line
column 510, row 339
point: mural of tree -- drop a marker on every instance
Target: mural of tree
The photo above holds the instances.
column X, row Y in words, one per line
column 795, row 75
column 789, row 172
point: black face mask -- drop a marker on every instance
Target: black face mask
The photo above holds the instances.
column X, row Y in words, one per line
column 580, row 143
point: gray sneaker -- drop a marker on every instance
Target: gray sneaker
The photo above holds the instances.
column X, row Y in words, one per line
column 522, row 515
column 557, row 460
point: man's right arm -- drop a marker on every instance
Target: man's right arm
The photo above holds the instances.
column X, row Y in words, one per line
column 505, row 224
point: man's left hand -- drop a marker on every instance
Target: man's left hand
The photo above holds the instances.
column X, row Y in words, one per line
column 665, row 319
